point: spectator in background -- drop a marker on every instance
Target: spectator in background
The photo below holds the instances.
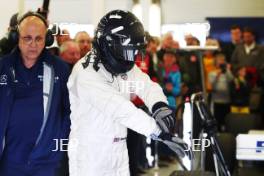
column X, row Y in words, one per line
column 85, row 42
column 220, row 79
column 152, row 48
column 236, row 39
column 171, row 85
column 171, row 75
column 209, row 61
column 247, row 53
column 191, row 40
column 190, row 71
column 167, row 43
column 70, row 52
column 188, row 39
column 152, row 43
column 154, row 51
column 63, row 36
column 250, row 55
column 240, row 91
column 6, row 45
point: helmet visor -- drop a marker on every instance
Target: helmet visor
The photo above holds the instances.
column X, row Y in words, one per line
column 126, row 52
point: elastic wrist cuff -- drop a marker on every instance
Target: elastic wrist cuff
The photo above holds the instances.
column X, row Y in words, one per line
column 158, row 105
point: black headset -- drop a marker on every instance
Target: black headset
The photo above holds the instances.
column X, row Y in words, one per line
column 13, row 35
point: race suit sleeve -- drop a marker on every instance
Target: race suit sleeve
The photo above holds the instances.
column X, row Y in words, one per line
column 149, row 91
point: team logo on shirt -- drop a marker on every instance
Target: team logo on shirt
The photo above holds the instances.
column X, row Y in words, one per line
column 3, row 79
column 40, row 77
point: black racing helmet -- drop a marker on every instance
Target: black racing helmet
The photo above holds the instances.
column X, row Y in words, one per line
column 119, row 37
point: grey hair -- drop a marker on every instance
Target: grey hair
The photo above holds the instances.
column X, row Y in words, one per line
column 66, row 44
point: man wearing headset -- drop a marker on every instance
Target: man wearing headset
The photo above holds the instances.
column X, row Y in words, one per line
column 100, row 87
column 34, row 105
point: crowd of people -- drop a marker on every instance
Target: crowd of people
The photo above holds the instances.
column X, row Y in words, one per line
column 232, row 73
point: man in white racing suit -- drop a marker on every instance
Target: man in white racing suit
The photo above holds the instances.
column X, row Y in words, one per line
column 100, row 88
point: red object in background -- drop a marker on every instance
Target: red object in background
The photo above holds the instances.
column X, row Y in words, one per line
column 252, row 75
column 143, row 64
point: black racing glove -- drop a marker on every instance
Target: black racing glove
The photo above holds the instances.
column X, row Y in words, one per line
column 176, row 144
column 164, row 117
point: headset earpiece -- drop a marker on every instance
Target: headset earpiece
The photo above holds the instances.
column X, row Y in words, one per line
column 49, row 38
column 13, row 36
